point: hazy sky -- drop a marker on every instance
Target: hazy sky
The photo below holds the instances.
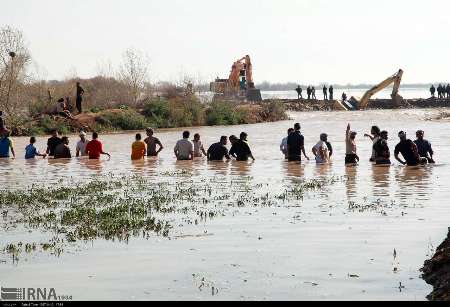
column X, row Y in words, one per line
column 306, row 41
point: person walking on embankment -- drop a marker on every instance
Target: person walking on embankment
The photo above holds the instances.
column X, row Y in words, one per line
column 79, row 99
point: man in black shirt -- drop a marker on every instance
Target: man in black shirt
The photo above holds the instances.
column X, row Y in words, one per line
column 52, row 143
column 240, row 149
column 432, row 90
column 381, row 150
column 296, row 145
column 62, row 151
column 331, row 90
column 325, row 93
column 409, row 151
column 80, row 92
column 299, row 92
column 217, row 151
column 424, row 146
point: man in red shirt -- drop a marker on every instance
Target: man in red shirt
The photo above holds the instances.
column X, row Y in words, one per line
column 94, row 148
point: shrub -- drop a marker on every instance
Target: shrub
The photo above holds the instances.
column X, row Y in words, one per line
column 47, row 124
column 223, row 113
column 274, row 110
column 125, row 120
column 175, row 112
column 37, row 108
column 96, row 109
column 158, row 112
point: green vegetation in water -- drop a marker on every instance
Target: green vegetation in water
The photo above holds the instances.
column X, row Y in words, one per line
column 118, row 208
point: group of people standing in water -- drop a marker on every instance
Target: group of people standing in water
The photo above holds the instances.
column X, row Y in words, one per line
column 414, row 153
column 292, row 146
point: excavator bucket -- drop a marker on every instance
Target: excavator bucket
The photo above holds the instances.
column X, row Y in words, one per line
column 350, row 105
column 339, row 106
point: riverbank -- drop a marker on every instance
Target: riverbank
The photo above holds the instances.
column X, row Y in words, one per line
column 157, row 114
column 304, row 105
column 436, row 272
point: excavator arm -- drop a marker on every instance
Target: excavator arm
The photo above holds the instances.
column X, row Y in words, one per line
column 242, row 63
column 396, row 79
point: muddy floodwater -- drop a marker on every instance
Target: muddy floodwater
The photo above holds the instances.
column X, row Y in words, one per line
column 363, row 234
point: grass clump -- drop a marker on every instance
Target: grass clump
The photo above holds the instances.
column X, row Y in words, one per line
column 223, row 113
column 125, row 120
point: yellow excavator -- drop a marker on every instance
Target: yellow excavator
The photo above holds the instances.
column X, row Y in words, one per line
column 239, row 85
column 355, row 104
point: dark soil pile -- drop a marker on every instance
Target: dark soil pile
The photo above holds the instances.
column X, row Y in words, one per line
column 436, row 272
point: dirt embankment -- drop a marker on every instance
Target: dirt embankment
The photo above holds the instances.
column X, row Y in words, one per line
column 304, row 105
column 436, row 272
column 324, row 105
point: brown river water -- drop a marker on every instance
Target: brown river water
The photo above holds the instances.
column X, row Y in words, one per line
column 317, row 248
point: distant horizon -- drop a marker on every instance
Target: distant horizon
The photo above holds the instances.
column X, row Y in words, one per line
column 267, row 83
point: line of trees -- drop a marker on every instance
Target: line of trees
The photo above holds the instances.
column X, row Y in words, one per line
column 23, row 95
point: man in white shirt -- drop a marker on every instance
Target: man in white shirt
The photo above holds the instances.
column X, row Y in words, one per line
column 283, row 145
column 184, row 149
column 320, row 150
column 81, row 145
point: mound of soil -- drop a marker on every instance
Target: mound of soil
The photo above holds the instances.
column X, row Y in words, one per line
column 436, row 272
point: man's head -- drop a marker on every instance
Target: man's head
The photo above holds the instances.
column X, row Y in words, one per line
column 297, row 127
column 243, row 136
column 375, row 130
column 32, row 140
column 233, row 138
column 420, row 134
column 353, row 135
column 224, row 140
column 55, row 133
column 196, row 137
column 78, row 83
column 82, row 135
column 324, row 137
column 149, row 131
column 65, row 140
column 290, row 130
column 384, row 135
column 402, row 135
column 61, row 100
column 186, row 134
column 138, row 137
column 94, row 135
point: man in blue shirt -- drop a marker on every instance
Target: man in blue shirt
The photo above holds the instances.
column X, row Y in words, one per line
column 424, row 147
column 5, row 145
column 31, row 152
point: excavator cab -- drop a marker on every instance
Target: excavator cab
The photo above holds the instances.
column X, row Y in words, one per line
column 239, row 84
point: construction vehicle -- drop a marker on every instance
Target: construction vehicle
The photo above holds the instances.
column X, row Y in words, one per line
column 362, row 104
column 239, row 85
